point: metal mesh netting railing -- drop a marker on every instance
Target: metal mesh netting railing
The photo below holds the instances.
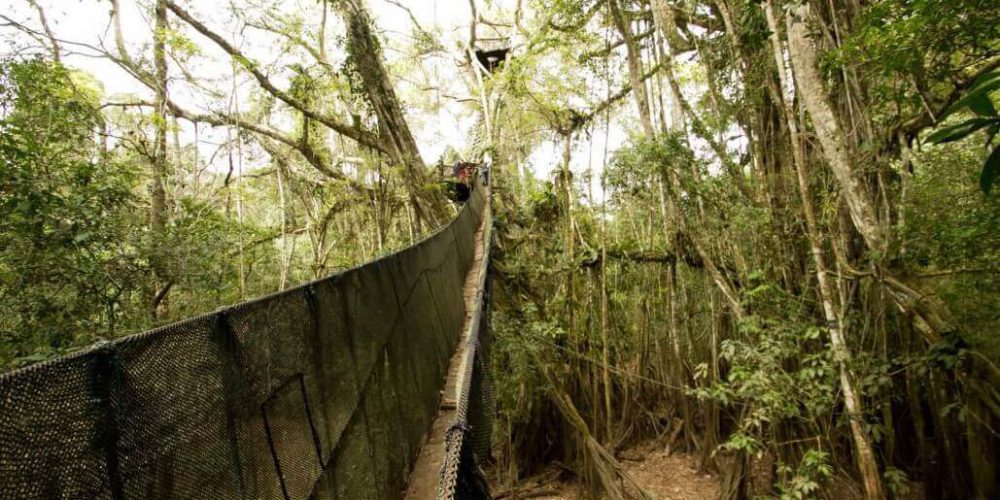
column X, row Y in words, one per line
column 468, row 441
column 322, row 391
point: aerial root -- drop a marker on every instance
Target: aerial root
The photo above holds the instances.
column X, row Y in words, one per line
column 616, row 482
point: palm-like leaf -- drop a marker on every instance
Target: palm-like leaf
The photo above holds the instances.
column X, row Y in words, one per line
column 978, row 101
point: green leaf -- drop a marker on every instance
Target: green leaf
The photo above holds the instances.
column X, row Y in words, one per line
column 980, row 90
column 982, row 106
column 987, row 78
column 991, row 170
column 959, row 130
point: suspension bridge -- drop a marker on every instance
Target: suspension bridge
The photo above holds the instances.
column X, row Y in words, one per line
column 369, row 384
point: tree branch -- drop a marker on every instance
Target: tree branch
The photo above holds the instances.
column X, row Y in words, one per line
column 617, row 96
column 296, row 40
column 618, row 43
column 912, row 127
column 587, row 16
column 48, row 31
column 361, row 136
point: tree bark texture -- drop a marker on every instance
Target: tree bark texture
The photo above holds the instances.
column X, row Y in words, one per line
column 864, row 453
column 365, row 54
column 624, row 26
column 158, row 191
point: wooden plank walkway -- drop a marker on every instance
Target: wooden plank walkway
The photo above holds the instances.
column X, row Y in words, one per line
column 423, row 481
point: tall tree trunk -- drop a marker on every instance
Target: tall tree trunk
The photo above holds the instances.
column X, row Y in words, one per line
column 365, row 54
column 864, row 454
column 624, row 26
column 605, row 340
column 286, row 258
column 979, row 375
column 664, row 19
column 570, row 240
column 158, row 192
column 681, row 110
column 676, row 368
column 831, row 136
column 712, row 437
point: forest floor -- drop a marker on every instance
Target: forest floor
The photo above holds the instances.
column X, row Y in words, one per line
column 673, row 476
column 664, row 476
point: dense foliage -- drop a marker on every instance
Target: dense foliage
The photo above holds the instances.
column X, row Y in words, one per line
column 68, row 236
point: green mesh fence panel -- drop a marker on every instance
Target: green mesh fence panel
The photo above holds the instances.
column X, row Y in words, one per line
column 336, row 382
column 52, row 412
column 172, row 412
column 322, row 391
column 351, row 473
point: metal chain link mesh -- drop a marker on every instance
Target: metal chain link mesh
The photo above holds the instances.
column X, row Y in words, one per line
column 322, row 391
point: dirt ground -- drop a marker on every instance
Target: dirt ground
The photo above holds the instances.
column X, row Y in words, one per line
column 664, row 477
column 673, row 477
column 676, row 477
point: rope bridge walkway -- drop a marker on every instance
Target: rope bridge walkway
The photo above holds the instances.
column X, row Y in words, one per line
column 323, row 391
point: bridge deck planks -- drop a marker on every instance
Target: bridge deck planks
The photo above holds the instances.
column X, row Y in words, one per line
column 423, row 481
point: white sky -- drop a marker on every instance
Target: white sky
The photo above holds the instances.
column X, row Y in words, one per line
column 87, row 21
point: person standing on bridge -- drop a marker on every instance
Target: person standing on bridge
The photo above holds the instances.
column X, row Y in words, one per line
column 484, row 171
column 461, row 174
